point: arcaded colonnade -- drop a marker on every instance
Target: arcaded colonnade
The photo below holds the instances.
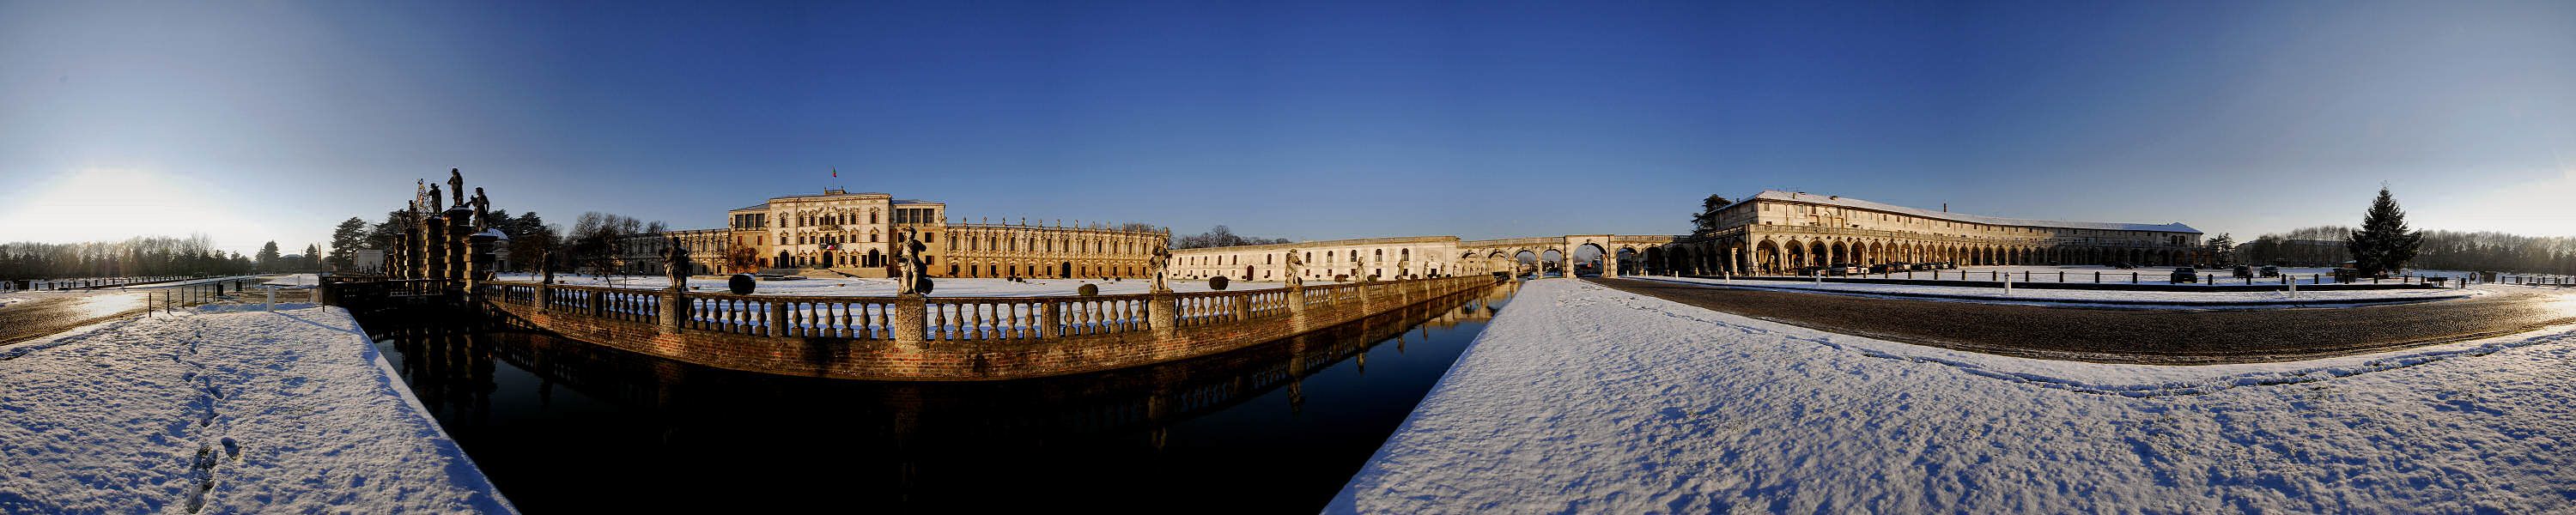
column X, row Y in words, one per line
column 1779, row 232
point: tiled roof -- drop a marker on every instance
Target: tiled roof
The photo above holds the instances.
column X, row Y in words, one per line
column 1958, row 217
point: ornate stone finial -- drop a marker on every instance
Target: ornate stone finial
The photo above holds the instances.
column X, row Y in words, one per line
column 456, row 186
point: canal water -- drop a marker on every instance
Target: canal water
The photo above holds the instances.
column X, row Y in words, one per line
column 566, row 427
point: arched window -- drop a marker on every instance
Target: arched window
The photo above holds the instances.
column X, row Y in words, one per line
column 872, row 215
column 1380, row 254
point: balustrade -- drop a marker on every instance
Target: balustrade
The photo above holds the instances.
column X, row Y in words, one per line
column 945, row 318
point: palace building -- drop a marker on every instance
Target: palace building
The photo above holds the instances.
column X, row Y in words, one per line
column 854, row 234
column 1779, row 231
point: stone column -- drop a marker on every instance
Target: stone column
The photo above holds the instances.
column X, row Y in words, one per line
column 1162, row 315
column 1242, row 307
column 432, row 245
column 1610, row 264
column 911, row 320
column 460, row 229
column 478, row 261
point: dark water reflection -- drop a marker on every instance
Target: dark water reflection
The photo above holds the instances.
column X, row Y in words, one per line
column 565, row 427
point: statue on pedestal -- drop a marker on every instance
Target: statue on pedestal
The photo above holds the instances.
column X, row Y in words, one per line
column 482, row 209
column 456, row 186
column 1162, row 258
column 546, row 265
column 909, row 255
column 434, row 205
column 1296, row 269
column 675, row 263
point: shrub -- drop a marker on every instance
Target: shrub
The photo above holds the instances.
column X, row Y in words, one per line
column 1087, row 290
column 1216, row 283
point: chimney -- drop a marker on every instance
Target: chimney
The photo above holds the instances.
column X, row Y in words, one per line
column 1945, row 207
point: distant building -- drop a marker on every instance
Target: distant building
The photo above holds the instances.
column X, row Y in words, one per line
column 856, row 233
column 1779, row 231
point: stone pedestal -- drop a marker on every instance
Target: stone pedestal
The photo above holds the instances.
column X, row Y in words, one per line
column 1049, row 314
column 1296, row 300
column 1162, row 315
column 478, row 263
column 911, row 320
column 460, row 228
column 675, row 309
column 778, row 319
column 545, row 297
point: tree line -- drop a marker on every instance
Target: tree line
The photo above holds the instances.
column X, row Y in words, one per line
column 138, row 256
column 2440, row 250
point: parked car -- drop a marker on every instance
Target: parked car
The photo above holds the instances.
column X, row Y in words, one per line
column 1887, row 268
column 1810, row 271
column 2271, row 271
column 2244, row 272
column 2186, row 275
column 1845, row 269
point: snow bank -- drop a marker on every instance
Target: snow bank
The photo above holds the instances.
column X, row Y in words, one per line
column 1580, row 398
column 296, row 281
column 2175, row 298
column 222, row 411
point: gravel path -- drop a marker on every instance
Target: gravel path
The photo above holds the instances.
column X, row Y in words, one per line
column 2142, row 336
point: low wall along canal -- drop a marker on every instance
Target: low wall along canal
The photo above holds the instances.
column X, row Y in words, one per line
column 565, row 426
column 916, row 338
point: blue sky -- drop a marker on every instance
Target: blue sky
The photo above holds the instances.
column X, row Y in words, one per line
column 253, row 121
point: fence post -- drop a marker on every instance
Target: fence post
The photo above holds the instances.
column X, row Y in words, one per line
column 2133, row 278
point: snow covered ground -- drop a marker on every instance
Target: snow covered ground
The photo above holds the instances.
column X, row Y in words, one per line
column 295, row 281
column 1583, row 399
column 963, row 287
column 2179, row 299
column 216, row 411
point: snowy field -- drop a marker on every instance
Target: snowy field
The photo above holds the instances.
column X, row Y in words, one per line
column 964, row 287
column 1583, row 399
column 2178, row 299
column 214, row 411
column 295, row 281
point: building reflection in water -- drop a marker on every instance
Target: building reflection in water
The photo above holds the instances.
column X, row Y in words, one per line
column 563, row 425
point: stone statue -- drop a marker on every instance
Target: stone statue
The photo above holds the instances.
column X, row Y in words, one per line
column 434, row 206
column 546, row 265
column 675, row 263
column 482, row 209
column 916, row 279
column 1154, row 266
column 1296, row 269
column 456, row 186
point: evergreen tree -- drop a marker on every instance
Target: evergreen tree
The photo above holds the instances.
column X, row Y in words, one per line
column 1706, row 219
column 312, row 258
column 2383, row 243
column 2222, row 249
column 345, row 242
column 267, row 257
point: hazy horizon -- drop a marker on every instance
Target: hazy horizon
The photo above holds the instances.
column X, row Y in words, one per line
column 275, row 121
